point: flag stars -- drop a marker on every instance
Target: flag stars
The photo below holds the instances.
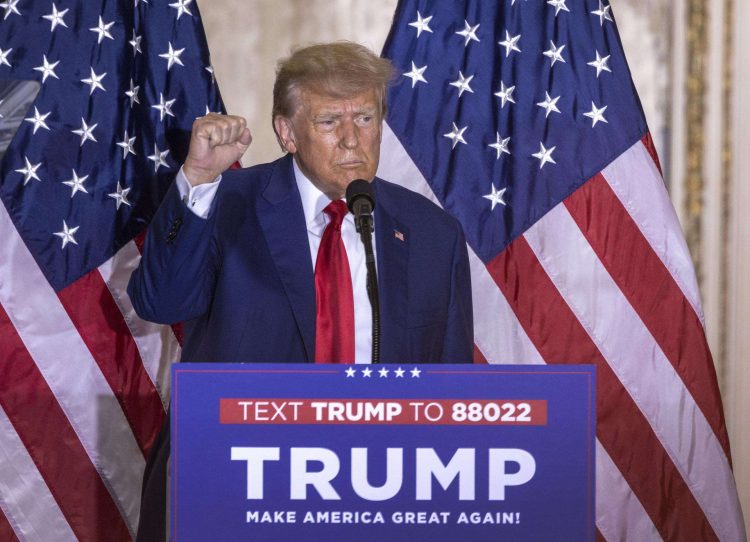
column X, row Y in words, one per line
column 422, row 24
column 416, row 74
column 383, row 372
column 600, row 63
column 76, row 184
column 86, row 132
column 132, row 94
column 596, row 114
column 456, row 135
column 120, row 196
column 469, row 33
column 4, row 57
column 182, row 7
column 549, row 104
column 135, row 43
column 559, row 5
column 126, row 145
column 415, row 372
column 10, row 6
column 172, row 56
column 158, row 158
column 350, row 372
column 505, row 94
column 102, row 29
column 29, row 172
column 496, row 197
column 602, row 13
column 544, row 155
column 38, row 120
column 95, row 81
column 164, row 107
column 47, row 69
column 500, row 145
column 399, row 373
column 366, row 372
column 67, row 235
column 56, row 18
column 510, row 43
column 462, row 83
column 554, row 53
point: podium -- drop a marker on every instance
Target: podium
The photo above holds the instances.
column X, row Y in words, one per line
column 284, row 452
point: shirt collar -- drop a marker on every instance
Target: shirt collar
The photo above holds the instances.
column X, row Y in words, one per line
column 313, row 203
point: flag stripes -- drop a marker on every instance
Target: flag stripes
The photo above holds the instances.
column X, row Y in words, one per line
column 45, row 333
column 559, row 335
column 33, row 514
column 619, row 513
column 157, row 344
column 636, row 181
column 42, row 426
column 89, row 304
column 649, row 288
column 72, row 450
column 6, row 532
column 131, row 355
column 548, row 298
column 616, row 331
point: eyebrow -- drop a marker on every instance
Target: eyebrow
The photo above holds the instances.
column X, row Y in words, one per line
column 338, row 114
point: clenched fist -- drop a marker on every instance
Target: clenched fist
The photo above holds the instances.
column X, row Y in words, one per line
column 217, row 142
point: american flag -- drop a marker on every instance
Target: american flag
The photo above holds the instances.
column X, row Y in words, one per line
column 84, row 381
column 520, row 118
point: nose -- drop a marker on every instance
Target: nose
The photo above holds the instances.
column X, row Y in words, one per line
column 348, row 134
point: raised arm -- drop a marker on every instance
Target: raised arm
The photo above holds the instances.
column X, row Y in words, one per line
column 178, row 267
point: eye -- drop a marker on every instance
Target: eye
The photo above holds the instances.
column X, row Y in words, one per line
column 325, row 125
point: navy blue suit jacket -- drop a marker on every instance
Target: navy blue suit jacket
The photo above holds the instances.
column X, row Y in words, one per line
column 243, row 283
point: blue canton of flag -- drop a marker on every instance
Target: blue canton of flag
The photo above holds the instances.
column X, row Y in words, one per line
column 83, row 380
column 532, row 104
column 520, row 118
column 121, row 86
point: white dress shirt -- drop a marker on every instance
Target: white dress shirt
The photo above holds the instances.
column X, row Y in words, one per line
column 199, row 199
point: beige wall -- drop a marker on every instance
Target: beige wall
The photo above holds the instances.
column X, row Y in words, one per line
column 246, row 37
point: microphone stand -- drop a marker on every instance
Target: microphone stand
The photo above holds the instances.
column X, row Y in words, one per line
column 364, row 227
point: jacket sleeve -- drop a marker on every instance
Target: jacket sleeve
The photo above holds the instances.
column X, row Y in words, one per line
column 458, row 346
column 178, row 267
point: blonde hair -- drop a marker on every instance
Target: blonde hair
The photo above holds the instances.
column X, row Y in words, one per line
column 341, row 69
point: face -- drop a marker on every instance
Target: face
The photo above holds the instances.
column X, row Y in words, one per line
column 334, row 140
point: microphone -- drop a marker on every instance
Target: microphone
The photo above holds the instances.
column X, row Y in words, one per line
column 360, row 199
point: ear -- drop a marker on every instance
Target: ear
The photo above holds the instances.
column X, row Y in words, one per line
column 285, row 133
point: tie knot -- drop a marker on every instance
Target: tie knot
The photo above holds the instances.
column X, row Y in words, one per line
column 336, row 210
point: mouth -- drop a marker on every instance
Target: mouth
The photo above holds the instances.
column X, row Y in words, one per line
column 351, row 164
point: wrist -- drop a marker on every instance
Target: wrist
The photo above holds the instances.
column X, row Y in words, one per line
column 197, row 176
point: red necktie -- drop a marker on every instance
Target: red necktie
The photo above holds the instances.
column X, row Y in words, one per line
column 334, row 330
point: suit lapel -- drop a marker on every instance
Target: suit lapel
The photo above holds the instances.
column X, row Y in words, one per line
column 283, row 222
column 392, row 246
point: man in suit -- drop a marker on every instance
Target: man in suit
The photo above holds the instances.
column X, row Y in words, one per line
column 245, row 257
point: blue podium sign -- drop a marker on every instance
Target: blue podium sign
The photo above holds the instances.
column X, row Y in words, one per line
column 279, row 452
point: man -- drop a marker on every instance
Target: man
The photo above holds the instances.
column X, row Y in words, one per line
column 251, row 260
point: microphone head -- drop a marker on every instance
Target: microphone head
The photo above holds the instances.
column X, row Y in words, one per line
column 360, row 197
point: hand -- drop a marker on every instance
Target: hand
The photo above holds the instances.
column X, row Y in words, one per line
column 217, row 142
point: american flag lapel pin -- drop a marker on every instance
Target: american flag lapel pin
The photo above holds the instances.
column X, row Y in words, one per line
column 398, row 235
